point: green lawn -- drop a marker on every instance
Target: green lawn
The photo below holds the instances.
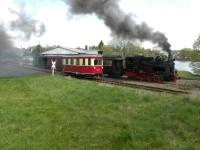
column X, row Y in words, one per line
column 56, row 113
column 188, row 75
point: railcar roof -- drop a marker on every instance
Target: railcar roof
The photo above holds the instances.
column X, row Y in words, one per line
column 112, row 58
column 82, row 56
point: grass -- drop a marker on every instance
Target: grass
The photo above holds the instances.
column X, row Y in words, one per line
column 44, row 112
column 188, row 75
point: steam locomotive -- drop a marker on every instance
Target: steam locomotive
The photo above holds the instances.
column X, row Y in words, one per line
column 140, row 68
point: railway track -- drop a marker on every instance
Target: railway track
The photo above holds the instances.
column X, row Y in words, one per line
column 145, row 87
column 117, row 82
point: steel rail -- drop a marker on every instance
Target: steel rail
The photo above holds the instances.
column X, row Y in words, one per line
column 145, row 87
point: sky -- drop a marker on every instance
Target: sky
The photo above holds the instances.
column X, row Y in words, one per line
column 177, row 19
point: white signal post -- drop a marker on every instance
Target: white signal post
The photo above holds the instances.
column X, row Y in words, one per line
column 53, row 66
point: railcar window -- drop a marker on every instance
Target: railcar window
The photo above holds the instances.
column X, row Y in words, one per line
column 72, row 61
column 83, row 61
column 77, row 61
column 86, row 62
column 67, row 61
column 80, row 61
column 97, row 62
column 107, row 62
column 89, row 62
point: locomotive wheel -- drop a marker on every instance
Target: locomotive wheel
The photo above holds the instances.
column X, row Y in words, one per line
column 156, row 78
column 161, row 78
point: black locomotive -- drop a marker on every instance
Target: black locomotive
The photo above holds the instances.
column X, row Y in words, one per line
column 140, row 68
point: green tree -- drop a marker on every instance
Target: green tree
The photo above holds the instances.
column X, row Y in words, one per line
column 195, row 67
column 196, row 44
column 188, row 54
column 101, row 45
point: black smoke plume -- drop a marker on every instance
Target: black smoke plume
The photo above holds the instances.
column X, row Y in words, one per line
column 26, row 25
column 6, row 43
column 121, row 24
column 5, row 39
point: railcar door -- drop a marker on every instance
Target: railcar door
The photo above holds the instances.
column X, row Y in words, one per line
column 117, row 67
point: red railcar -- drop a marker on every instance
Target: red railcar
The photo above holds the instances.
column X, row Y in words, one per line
column 85, row 65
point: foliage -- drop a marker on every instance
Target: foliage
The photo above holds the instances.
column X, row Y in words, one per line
column 133, row 50
column 188, row 54
column 188, row 75
column 44, row 112
column 128, row 49
column 125, row 48
column 101, row 44
column 36, row 50
column 109, row 50
column 195, row 67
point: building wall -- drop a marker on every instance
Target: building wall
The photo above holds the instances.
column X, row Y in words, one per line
column 45, row 62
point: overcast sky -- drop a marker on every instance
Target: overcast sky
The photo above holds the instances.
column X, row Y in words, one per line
column 177, row 19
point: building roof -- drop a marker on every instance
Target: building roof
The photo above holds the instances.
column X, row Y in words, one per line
column 68, row 51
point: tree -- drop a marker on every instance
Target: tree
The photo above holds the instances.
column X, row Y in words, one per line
column 101, row 44
column 36, row 50
column 195, row 67
column 188, row 54
column 196, row 44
